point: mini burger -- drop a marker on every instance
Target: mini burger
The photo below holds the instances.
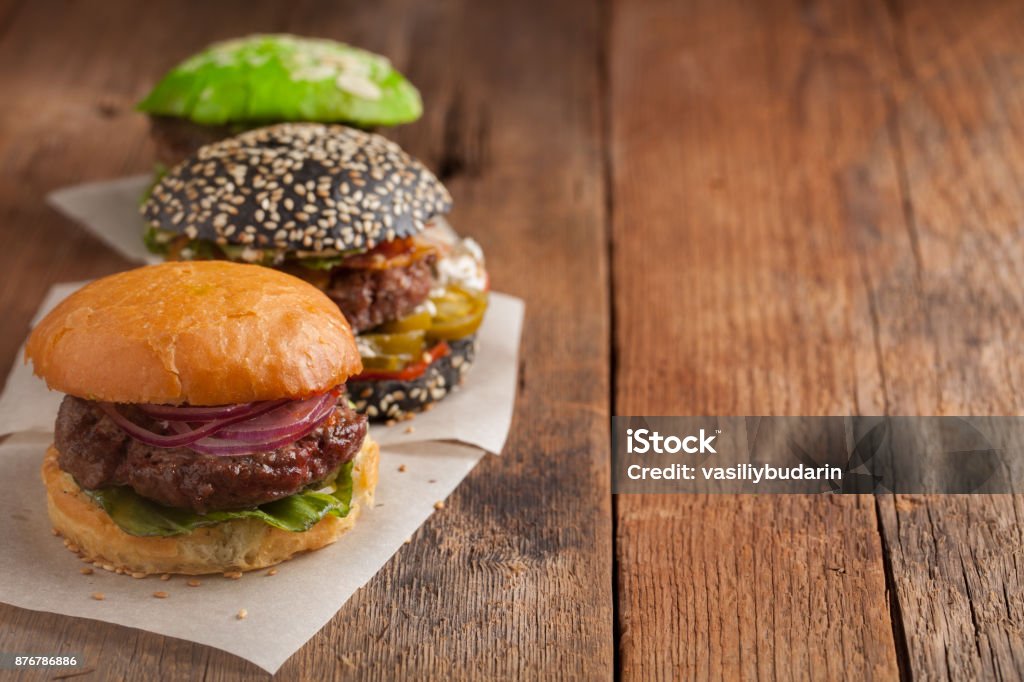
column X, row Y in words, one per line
column 258, row 80
column 204, row 427
column 354, row 215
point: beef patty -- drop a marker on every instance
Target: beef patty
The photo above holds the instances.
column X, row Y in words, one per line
column 97, row 453
column 368, row 298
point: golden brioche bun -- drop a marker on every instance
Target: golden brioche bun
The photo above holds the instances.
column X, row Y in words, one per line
column 241, row 545
column 201, row 332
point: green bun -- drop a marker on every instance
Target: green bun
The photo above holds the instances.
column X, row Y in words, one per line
column 270, row 78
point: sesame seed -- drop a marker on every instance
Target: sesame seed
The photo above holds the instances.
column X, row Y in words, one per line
column 233, row 575
column 193, row 583
column 98, row 596
column 85, row 570
column 439, row 505
column 292, row 171
column 401, row 468
column 272, row 571
column 242, row 614
column 160, row 595
column 165, row 577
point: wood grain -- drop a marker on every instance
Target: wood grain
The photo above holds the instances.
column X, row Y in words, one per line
column 513, row 579
column 845, row 203
column 956, row 561
column 815, row 209
column 750, row 159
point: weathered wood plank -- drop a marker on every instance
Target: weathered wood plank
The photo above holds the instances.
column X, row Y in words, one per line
column 513, row 578
column 750, row 159
column 956, row 561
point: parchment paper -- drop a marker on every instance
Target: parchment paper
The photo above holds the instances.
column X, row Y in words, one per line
column 110, row 210
column 40, row 574
column 438, row 452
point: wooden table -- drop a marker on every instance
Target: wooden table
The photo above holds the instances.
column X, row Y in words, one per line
column 710, row 208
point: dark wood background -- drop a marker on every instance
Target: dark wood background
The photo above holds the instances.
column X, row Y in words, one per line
column 709, row 207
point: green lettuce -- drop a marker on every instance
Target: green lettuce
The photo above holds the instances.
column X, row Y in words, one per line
column 136, row 515
column 158, row 241
column 268, row 78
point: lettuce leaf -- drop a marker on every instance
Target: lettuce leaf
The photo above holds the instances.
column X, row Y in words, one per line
column 136, row 515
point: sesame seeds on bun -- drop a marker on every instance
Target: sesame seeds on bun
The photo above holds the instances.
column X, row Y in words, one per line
column 298, row 186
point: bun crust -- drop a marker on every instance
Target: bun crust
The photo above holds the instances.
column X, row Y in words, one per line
column 353, row 188
column 201, row 332
column 241, row 545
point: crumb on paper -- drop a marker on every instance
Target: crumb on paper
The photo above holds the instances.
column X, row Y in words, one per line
column 193, row 583
column 98, row 596
column 439, row 505
column 272, row 571
column 233, row 575
column 55, row 531
column 410, row 428
column 401, row 468
column 85, row 570
column 242, row 614
column 406, row 541
column 161, row 595
column 165, row 577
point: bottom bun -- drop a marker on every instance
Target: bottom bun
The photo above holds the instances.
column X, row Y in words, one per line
column 239, row 545
column 381, row 399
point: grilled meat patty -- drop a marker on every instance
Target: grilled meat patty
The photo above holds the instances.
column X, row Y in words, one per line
column 97, row 453
column 368, row 298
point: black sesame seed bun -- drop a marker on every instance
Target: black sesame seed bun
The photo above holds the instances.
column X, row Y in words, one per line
column 298, row 187
column 391, row 399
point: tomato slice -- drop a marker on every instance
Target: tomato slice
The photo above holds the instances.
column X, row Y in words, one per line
column 411, row 371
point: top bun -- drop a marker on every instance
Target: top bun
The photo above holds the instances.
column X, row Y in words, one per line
column 265, row 78
column 298, row 187
column 202, row 332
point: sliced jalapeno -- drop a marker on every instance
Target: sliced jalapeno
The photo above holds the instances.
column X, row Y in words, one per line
column 419, row 320
column 459, row 313
column 400, row 343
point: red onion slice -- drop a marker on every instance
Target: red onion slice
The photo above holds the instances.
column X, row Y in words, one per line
column 263, row 426
column 173, row 413
column 222, row 446
column 289, row 418
column 146, row 436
